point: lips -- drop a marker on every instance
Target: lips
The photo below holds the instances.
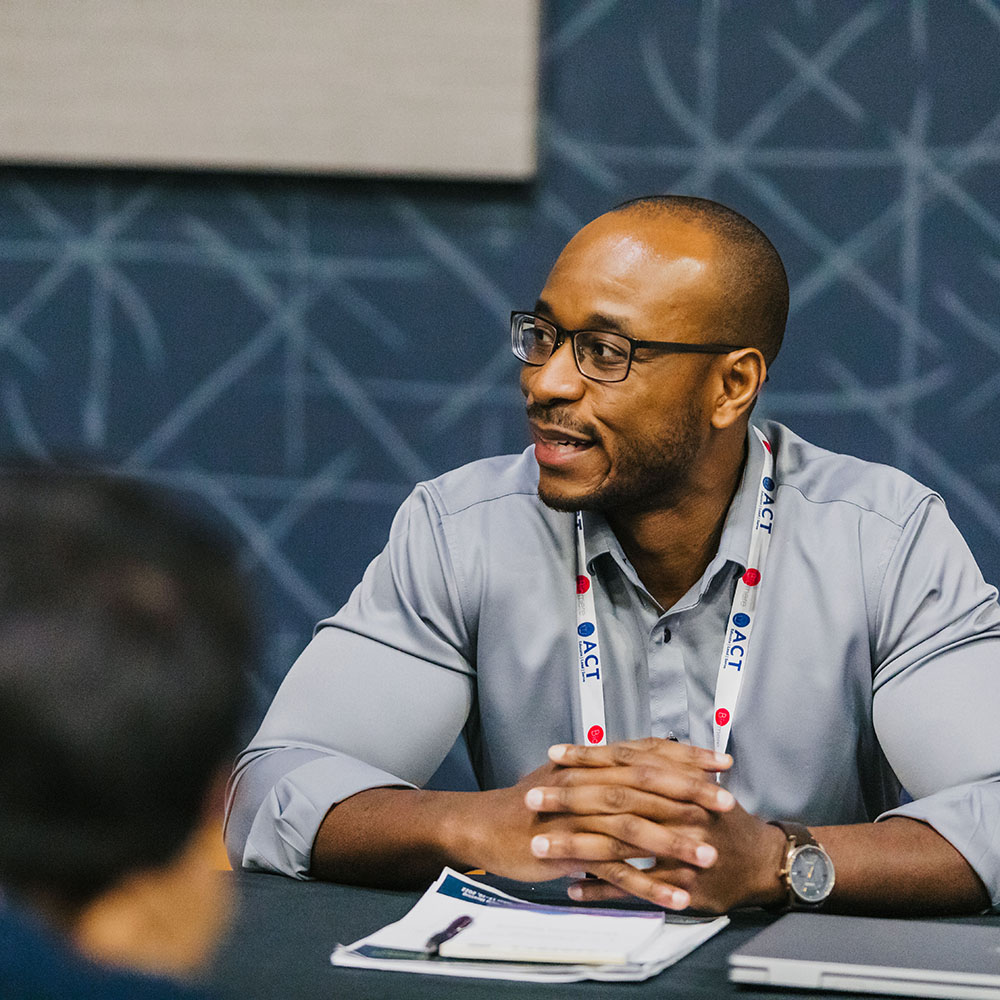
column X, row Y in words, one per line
column 557, row 446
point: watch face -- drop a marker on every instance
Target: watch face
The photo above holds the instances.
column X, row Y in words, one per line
column 811, row 874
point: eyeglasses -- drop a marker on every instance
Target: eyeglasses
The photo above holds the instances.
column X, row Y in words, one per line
column 600, row 355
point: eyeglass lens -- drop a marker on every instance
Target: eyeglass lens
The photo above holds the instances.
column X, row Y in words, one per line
column 601, row 356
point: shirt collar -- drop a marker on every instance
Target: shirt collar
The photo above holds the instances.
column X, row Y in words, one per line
column 734, row 545
column 600, row 539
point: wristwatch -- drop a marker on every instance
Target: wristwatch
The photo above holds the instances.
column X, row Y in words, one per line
column 806, row 870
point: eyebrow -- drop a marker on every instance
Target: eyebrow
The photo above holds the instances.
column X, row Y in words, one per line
column 595, row 321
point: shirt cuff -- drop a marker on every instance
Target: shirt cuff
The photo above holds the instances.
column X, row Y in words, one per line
column 285, row 827
column 968, row 817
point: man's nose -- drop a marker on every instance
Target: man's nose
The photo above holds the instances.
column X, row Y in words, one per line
column 557, row 379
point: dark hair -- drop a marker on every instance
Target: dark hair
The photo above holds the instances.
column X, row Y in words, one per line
column 755, row 279
column 124, row 636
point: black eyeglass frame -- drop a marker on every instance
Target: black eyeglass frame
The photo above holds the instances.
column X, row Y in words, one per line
column 663, row 346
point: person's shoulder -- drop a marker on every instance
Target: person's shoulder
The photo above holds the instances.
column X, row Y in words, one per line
column 820, row 476
column 36, row 962
column 485, row 482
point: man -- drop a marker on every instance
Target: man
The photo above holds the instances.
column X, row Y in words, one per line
column 123, row 644
column 759, row 629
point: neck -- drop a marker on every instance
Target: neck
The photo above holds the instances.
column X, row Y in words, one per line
column 670, row 546
column 160, row 921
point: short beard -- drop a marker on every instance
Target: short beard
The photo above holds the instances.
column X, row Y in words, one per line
column 650, row 474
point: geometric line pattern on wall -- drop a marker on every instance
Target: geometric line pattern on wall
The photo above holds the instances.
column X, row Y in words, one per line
column 292, row 354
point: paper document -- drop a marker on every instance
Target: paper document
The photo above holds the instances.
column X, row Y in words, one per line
column 460, row 927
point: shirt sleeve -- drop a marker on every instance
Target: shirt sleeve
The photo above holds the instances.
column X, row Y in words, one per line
column 937, row 687
column 377, row 698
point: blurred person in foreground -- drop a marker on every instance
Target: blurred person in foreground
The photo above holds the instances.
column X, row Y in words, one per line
column 123, row 637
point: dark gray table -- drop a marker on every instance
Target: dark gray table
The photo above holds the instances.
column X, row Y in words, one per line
column 280, row 942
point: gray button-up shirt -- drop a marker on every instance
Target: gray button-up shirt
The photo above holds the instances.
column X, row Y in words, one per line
column 874, row 661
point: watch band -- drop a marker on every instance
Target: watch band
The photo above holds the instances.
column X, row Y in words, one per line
column 797, row 835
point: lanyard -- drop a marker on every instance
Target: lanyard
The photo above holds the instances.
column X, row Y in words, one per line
column 739, row 624
column 591, row 684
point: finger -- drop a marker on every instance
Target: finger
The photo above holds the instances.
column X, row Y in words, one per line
column 677, row 784
column 594, row 890
column 638, row 751
column 608, row 799
column 613, row 838
column 617, row 878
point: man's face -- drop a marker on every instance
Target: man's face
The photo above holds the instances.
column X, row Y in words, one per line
column 633, row 445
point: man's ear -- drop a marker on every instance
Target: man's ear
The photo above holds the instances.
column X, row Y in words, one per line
column 741, row 377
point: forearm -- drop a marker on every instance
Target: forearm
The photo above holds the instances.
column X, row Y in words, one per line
column 899, row 866
column 395, row 837
column 331, row 732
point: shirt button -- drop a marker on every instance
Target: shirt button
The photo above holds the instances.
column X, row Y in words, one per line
column 666, row 635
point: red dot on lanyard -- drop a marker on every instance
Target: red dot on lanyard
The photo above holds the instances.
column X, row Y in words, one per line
column 595, row 734
column 751, row 577
column 767, row 445
column 722, row 716
column 582, row 584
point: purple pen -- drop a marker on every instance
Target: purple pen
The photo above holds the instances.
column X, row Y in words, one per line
column 434, row 942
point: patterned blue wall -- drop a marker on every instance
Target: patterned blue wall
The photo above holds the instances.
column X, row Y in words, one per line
column 292, row 354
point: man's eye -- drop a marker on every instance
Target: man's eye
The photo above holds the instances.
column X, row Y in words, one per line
column 543, row 336
column 605, row 351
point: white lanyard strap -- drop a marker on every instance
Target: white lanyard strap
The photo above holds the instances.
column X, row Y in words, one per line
column 591, row 683
column 739, row 624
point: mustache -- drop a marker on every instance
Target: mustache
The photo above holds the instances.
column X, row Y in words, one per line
column 560, row 416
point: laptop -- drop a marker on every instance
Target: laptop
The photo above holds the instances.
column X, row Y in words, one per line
column 917, row 958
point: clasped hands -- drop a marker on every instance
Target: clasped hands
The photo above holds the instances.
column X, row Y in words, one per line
column 593, row 808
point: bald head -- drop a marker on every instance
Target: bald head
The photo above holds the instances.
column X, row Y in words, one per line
column 753, row 286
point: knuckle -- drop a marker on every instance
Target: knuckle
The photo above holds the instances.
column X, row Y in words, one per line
column 682, row 847
column 618, row 872
column 556, row 798
column 645, row 776
column 624, row 753
column 630, row 829
column 669, row 846
column 615, row 797
column 683, row 878
column 690, row 814
column 692, row 788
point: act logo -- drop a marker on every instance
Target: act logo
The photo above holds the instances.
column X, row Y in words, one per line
column 765, row 514
column 590, row 660
column 736, row 648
